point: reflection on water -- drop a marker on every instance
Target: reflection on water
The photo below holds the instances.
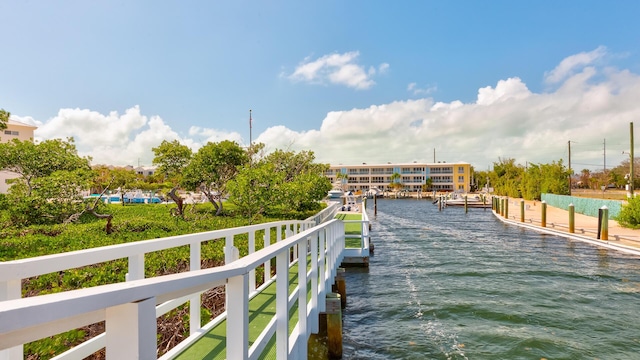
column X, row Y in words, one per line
column 450, row 285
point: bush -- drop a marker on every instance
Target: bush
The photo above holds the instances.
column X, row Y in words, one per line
column 630, row 214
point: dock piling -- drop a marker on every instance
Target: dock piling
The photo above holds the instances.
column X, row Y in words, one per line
column 572, row 218
column 334, row 326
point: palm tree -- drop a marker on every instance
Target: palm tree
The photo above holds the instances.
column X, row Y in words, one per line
column 344, row 179
column 395, row 181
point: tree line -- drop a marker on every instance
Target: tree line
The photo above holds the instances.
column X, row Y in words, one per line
column 507, row 178
column 52, row 179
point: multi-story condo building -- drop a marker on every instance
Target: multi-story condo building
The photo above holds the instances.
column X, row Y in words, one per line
column 412, row 176
column 14, row 130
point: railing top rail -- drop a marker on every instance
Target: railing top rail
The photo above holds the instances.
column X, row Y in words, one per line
column 24, row 313
column 24, row 268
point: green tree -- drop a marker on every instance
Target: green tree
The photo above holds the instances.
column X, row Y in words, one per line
column 506, row 178
column 171, row 158
column 212, row 167
column 32, row 161
column 530, row 188
column 554, row 178
column 344, row 180
column 428, row 185
column 283, row 181
column 395, row 181
column 302, row 180
column 52, row 178
column 4, row 118
column 630, row 213
column 252, row 189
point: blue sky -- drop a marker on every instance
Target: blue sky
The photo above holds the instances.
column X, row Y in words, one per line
column 354, row 81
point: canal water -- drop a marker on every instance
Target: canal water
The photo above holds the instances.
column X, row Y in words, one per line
column 450, row 285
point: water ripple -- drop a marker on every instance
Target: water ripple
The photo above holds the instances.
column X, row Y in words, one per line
column 450, row 285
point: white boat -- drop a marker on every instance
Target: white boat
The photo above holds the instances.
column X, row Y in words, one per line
column 335, row 194
column 473, row 201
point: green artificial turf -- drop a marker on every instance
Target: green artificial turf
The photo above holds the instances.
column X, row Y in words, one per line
column 262, row 308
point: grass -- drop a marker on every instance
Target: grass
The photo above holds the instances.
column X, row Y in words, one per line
column 130, row 223
column 351, row 229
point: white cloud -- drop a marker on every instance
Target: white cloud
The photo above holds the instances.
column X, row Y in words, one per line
column 120, row 139
column 340, row 69
column 415, row 90
column 569, row 65
column 506, row 121
column 512, row 88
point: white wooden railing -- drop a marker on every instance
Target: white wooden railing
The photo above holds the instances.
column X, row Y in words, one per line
column 364, row 250
column 130, row 309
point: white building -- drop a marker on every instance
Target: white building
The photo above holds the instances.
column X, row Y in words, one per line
column 14, row 130
column 444, row 176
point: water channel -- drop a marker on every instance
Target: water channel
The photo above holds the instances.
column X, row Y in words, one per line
column 450, row 285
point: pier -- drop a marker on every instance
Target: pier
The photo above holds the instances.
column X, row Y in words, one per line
column 277, row 317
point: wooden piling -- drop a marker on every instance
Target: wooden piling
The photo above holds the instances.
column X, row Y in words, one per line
column 334, row 326
column 522, row 210
column 341, row 287
column 506, row 208
column 604, row 234
column 572, row 218
column 466, row 206
column 543, row 221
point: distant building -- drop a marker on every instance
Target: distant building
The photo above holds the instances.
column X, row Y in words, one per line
column 145, row 170
column 444, row 176
column 14, row 130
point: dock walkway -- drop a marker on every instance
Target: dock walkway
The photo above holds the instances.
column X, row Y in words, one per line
column 586, row 227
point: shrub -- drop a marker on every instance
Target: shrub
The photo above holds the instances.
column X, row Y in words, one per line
column 630, row 214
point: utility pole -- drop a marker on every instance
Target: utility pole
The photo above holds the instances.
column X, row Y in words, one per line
column 434, row 155
column 632, row 160
column 250, row 129
column 570, row 171
column 605, row 154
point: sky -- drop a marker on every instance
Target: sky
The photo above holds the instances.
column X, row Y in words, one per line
column 353, row 81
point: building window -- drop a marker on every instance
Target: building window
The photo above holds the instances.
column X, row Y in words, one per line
column 460, row 169
column 11, row 132
column 460, row 178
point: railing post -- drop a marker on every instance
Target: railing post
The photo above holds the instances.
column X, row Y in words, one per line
column 605, row 223
column 194, row 301
column 322, row 268
column 131, row 330
column 282, row 305
column 572, row 218
column 543, row 208
column 238, row 317
column 303, row 326
column 267, row 264
column 136, row 267
column 313, row 320
column 9, row 290
column 252, row 248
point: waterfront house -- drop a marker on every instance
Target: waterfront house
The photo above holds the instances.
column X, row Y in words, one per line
column 14, row 130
